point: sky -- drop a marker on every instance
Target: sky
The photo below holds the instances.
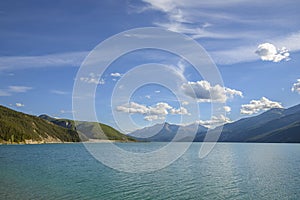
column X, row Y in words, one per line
column 255, row 46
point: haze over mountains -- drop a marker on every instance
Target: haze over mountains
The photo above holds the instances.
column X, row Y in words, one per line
column 275, row 125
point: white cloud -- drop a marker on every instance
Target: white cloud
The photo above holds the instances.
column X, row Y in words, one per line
column 20, row 105
column 92, row 78
column 296, row 86
column 179, row 111
column 19, row 89
column 156, row 112
column 268, row 52
column 184, row 103
column 115, row 74
column 157, row 91
column 214, row 121
column 4, row 93
column 73, row 59
column 67, row 111
column 14, row 89
column 203, row 91
column 59, row 92
column 215, row 19
column 227, row 109
column 258, row 105
column 148, row 96
column 182, row 18
column 154, row 117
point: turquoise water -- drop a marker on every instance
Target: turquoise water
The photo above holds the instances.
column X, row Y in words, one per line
column 231, row 171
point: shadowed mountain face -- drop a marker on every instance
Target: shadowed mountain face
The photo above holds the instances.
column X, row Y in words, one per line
column 275, row 125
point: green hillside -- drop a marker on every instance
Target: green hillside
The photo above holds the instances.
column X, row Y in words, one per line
column 17, row 127
column 90, row 130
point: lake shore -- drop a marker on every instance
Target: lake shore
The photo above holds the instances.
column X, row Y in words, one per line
column 59, row 142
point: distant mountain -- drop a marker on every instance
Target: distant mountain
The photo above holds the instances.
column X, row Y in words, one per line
column 275, row 125
column 89, row 130
column 17, row 127
column 166, row 132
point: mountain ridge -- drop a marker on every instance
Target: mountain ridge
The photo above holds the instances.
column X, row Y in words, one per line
column 275, row 125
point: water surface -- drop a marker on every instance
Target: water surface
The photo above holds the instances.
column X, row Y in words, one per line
column 231, row 171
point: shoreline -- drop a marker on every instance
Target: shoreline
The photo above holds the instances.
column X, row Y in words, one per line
column 59, row 142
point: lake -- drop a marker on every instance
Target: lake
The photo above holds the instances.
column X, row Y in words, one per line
column 230, row 171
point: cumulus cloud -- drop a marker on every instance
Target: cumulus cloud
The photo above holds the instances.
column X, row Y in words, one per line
column 296, row 86
column 214, row 121
column 227, row 109
column 268, row 52
column 203, row 91
column 93, row 78
column 154, row 117
column 20, row 105
column 184, row 103
column 115, row 74
column 258, row 105
column 179, row 111
column 158, row 111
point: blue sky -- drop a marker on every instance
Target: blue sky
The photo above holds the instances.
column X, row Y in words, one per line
column 255, row 45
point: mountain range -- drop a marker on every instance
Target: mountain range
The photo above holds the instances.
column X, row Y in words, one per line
column 275, row 125
column 17, row 127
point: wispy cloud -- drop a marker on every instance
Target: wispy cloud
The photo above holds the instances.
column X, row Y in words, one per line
column 219, row 20
column 4, row 93
column 59, row 92
column 93, row 79
column 72, row 59
column 18, row 89
column 14, row 89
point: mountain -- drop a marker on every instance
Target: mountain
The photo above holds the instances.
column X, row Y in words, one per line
column 275, row 125
column 89, row 130
column 17, row 127
column 166, row 132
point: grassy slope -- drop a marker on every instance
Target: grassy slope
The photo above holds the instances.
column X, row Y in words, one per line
column 18, row 127
column 90, row 130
